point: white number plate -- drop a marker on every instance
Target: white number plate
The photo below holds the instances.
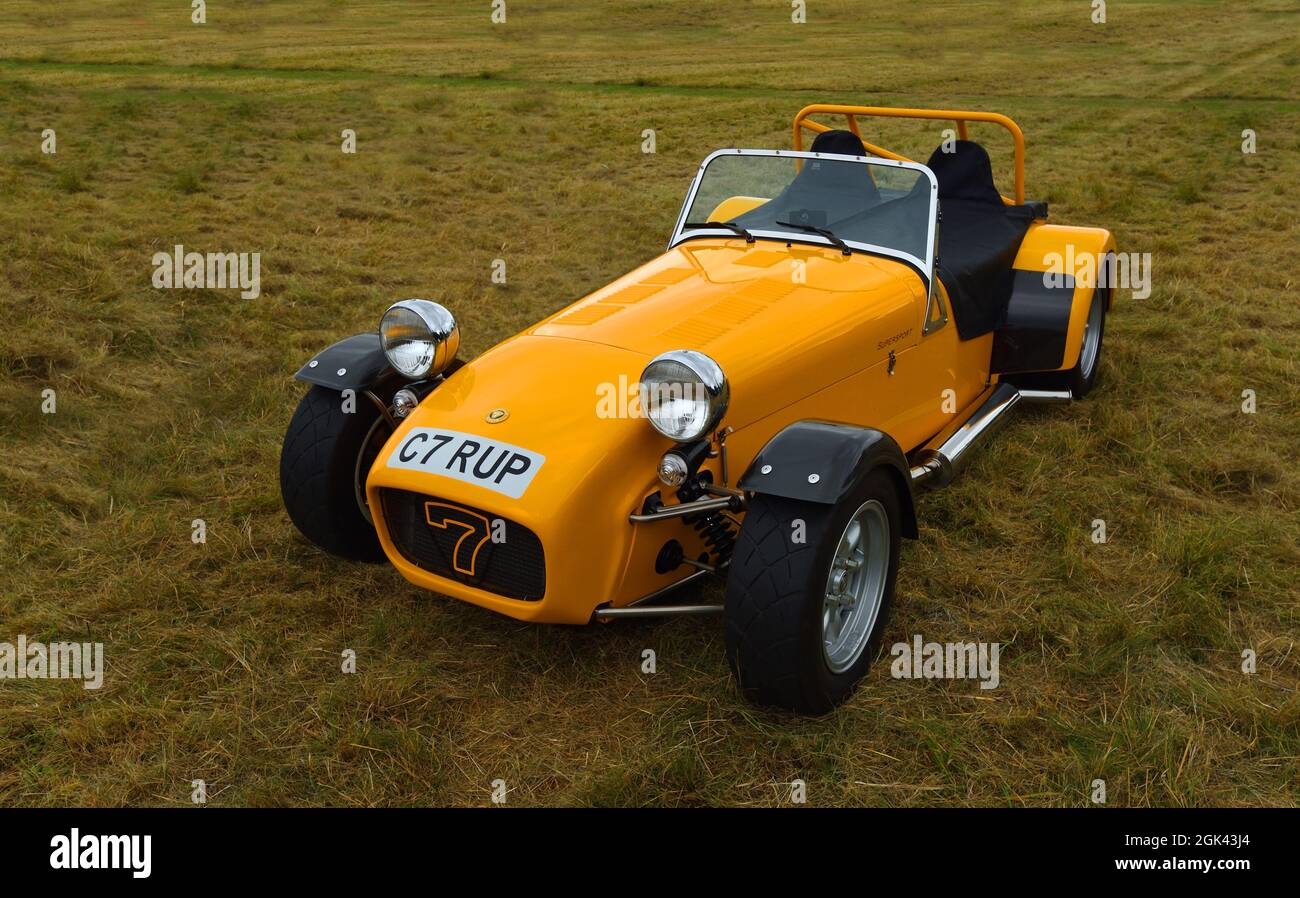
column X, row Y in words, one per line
column 469, row 458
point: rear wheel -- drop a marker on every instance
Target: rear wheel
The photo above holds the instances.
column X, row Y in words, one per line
column 1080, row 379
column 805, row 617
column 328, row 450
column 1084, row 375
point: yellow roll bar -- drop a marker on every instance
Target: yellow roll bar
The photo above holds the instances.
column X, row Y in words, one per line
column 801, row 122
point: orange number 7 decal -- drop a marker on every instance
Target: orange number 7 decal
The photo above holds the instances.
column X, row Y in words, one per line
column 442, row 516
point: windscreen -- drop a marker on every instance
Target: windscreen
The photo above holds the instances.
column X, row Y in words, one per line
column 868, row 203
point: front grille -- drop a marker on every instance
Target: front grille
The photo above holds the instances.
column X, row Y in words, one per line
column 466, row 544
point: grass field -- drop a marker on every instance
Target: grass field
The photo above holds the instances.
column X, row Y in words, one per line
column 522, row 141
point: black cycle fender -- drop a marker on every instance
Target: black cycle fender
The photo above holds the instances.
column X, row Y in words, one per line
column 356, row 363
column 816, row 461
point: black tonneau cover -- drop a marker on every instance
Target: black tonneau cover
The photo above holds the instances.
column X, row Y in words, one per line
column 979, row 236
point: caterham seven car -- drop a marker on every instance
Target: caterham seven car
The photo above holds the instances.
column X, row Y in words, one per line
column 828, row 331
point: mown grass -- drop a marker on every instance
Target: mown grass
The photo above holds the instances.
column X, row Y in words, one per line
column 1120, row 661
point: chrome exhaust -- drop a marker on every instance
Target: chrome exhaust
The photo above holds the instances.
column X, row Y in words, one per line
column 1046, row 396
column 938, row 462
column 657, row 611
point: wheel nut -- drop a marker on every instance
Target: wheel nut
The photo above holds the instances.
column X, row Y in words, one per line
column 840, row 582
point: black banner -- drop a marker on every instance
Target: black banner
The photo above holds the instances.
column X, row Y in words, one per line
column 334, row 847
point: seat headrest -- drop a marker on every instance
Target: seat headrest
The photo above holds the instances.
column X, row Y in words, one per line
column 845, row 143
column 965, row 173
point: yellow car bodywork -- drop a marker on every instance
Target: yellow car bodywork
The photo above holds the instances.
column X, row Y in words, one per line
column 802, row 332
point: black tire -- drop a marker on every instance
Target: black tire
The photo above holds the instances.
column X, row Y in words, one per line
column 319, row 463
column 776, row 590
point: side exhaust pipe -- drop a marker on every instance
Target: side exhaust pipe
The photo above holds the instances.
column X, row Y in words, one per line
column 939, row 461
column 657, row 611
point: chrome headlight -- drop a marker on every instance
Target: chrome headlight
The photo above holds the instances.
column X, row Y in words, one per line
column 419, row 337
column 684, row 393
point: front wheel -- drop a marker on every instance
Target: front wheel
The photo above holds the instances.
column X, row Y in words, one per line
column 808, row 593
column 328, row 449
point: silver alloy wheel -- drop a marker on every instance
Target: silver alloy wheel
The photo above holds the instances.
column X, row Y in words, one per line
column 855, row 586
column 1092, row 334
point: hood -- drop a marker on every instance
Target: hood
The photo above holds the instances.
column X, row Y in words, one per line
column 782, row 321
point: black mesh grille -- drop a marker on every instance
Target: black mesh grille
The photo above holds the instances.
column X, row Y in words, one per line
column 457, row 542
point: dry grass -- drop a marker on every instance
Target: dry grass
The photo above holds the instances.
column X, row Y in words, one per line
column 1121, row 661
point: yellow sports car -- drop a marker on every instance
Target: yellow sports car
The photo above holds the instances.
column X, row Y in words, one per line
column 827, row 331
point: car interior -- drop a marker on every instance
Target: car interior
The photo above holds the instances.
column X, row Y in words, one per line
column 978, row 233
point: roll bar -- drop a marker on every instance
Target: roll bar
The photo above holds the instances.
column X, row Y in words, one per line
column 802, row 122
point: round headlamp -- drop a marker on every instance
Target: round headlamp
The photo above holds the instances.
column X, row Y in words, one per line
column 684, row 393
column 419, row 337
